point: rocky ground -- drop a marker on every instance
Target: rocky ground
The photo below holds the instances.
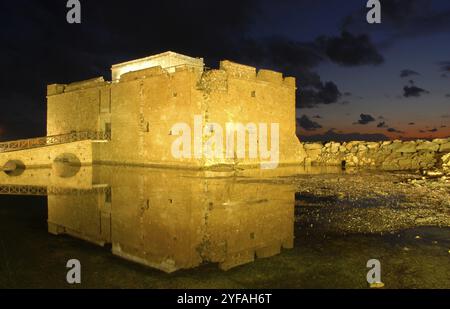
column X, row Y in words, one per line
column 387, row 155
column 359, row 201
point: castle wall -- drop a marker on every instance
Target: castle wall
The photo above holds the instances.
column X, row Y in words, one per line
column 76, row 107
column 141, row 108
column 239, row 94
column 144, row 107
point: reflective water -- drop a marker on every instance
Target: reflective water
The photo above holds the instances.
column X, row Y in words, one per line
column 171, row 220
column 168, row 219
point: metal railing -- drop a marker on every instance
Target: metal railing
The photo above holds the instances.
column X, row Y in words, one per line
column 52, row 140
column 22, row 190
column 45, row 191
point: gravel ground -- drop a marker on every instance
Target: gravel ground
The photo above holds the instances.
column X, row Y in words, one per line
column 371, row 202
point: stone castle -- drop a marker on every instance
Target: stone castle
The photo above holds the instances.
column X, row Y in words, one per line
column 146, row 97
column 129, row 121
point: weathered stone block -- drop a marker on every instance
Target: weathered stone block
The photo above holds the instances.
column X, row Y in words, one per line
column 440, row 141
column 334, row 147
column 289, row 81
column 238, row 70
column 55, row 89
column 312, row 146
column 373, row 145
column 444, row 147
column 426, row 145
column 313, row 154
column 270, row 76
column 446, row 159
column 409, row 147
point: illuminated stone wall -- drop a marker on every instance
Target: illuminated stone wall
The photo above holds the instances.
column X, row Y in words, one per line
column 239, row 94
column 141, row 107
column 76, row 107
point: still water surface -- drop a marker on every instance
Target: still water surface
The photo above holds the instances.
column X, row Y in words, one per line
column 153, row 228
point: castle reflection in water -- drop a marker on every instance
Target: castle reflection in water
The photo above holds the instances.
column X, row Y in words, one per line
column 167, row 219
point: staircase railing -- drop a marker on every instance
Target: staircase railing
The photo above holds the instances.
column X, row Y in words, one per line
column 53, row 140
column 43, row 191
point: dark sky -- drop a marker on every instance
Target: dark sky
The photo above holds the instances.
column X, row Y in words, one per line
column 390, row 79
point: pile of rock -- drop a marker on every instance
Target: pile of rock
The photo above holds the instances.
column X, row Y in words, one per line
column 387, row 155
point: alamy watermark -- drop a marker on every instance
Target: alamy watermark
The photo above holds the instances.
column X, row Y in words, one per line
column 374, row 274
column 374, row 14
column 212, row 141
column 74, row 14
column 74, row 274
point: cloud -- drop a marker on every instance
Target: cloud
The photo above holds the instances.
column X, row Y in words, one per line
column 393, row 130
column 365, row 119
column 351, row 50
column 307, row 124
column 411, row 123
column 332, row 135
column 300, row 59
column 433, row 130
column 322, row 93
column 408, row 73
column 447, row 95
column 413, row 91
column 444, row 67
column 292, row 58
column 382, row 125
column 316, row 117
column 445, row 116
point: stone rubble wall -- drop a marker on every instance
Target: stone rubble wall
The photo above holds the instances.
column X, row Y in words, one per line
column 387, row 155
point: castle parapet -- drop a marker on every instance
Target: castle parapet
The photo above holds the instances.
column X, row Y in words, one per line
column 289, row 81
column 270, row 76
column 85, row 84
column 55, row 89
column 238, row 70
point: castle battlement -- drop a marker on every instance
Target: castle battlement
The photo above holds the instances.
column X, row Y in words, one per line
column 236, row 70
column 170, row 63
